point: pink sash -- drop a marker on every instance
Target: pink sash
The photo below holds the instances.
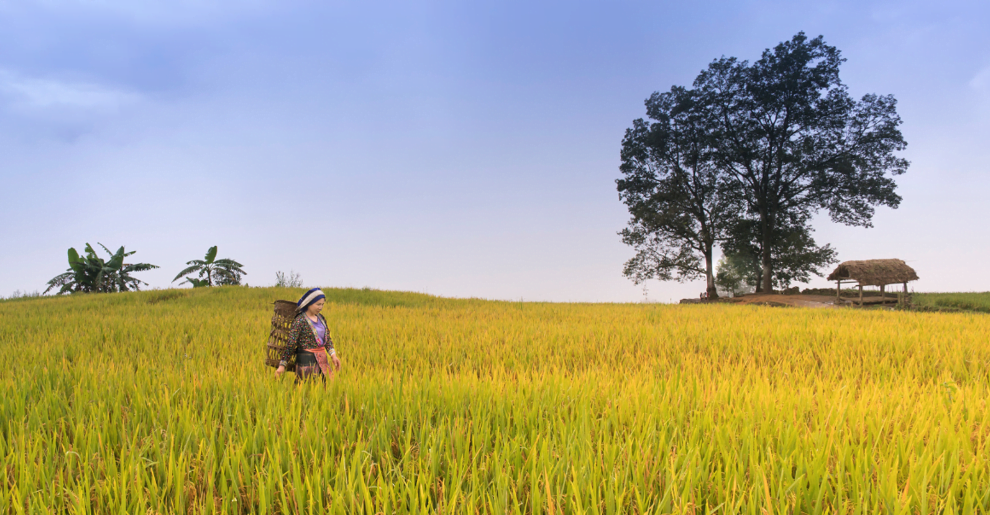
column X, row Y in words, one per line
column 323, row 359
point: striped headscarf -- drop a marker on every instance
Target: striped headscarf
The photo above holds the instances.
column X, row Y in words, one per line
column 309, row 298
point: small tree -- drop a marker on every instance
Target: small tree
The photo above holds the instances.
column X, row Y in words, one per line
column 795, row 255
column 290, row 280
column 736, row 274
column 212, row 271
column 90, row 273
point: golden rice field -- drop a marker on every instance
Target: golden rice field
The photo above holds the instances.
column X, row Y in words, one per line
column 159, row 402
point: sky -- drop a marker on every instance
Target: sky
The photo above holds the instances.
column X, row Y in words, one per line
column 461, row 149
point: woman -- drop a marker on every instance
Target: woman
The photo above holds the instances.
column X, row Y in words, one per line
column 309, row 340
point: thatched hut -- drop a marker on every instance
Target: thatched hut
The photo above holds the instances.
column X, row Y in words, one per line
column 873, row 272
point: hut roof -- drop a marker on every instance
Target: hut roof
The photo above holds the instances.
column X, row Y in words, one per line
column 874, row 272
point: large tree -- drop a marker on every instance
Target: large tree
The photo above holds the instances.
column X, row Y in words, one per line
column 681, row 203
column 795, row 141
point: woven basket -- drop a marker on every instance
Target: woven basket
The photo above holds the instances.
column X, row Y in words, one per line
column 278, row 338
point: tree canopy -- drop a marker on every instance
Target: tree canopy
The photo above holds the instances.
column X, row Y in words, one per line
column 90, row 273
column 212, row 271
column 681, row 203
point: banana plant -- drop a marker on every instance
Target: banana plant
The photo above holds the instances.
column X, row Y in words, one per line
column 212, row 271
column 90, row 273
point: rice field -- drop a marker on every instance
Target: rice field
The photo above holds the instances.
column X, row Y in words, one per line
column 159, row 402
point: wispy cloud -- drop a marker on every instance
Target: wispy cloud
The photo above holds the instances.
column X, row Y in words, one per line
column 980, row 85
column 981, row 81
column 44, row 93
column 155, row 12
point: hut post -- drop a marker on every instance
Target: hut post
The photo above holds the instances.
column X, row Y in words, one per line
column 860, row 294
column 838, row 290
column 883, row 295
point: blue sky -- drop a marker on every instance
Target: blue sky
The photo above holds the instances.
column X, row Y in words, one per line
column 462, row 149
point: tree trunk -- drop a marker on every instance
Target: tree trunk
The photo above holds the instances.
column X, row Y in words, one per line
column 766, row 227
column 709, row 275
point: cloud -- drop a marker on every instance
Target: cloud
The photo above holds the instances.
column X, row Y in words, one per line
column 56, row 108
column 51, row 94
column 980, row 86
column 981, row 82
column 151, row 12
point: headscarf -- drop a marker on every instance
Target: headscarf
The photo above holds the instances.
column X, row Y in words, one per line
column 309, row 298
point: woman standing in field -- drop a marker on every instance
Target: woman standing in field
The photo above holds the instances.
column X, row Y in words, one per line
column 309, row 341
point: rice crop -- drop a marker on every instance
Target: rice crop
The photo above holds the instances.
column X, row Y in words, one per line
column 159, row 402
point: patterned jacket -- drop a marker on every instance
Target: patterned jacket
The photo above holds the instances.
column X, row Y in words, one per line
column 301, row 337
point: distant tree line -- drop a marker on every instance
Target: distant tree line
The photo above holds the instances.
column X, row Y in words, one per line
column 744, row 158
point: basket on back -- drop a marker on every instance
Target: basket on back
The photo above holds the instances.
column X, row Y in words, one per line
column 278, row 339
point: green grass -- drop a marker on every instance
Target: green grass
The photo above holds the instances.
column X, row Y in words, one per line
column 972, row 301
